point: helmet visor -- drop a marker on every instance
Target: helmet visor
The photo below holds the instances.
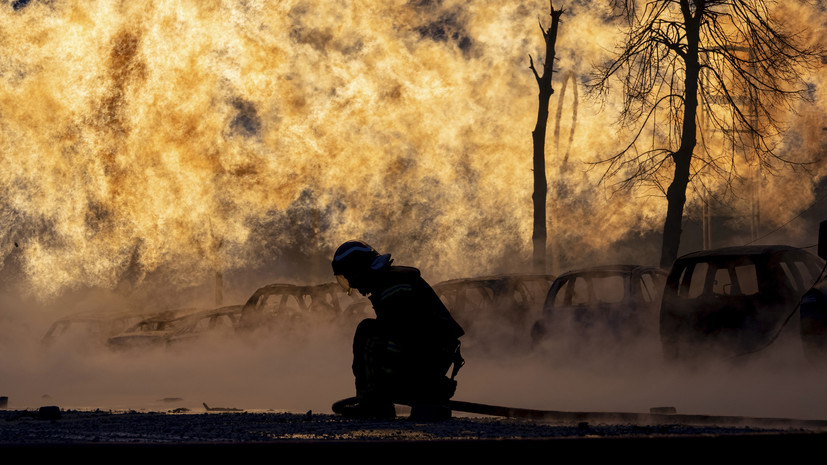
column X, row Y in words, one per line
column 344, row 283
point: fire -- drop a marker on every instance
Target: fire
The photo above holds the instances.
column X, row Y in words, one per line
column 191, row 137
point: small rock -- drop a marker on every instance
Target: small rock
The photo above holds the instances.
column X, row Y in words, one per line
column 663, row 410
column 50, row 412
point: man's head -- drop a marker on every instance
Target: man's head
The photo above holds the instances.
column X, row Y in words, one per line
column 353, row 263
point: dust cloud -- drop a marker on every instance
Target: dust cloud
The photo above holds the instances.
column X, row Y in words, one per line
column 308, row 368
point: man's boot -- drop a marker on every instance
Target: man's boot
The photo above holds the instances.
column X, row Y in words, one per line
column 426, row 412
column 366, row 408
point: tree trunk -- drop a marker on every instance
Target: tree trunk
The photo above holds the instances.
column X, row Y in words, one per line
column 540, row 235
column 538, row 136
column 676, row 194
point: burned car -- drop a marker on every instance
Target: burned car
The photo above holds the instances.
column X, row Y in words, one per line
column 732, row 301
column 601, row 306
column 89, row 328
column 494, row 311
column 286, row 305
column 813, row 309
column 174, row 327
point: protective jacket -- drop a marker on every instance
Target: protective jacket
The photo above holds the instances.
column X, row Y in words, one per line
column 411, row 310
column 411, row 344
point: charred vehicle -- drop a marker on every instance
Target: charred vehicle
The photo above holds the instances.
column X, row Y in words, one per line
column 601, row 306
column 171, row 328
column 813, row 309
column 495, row 311
column 285, row 305
column 89, row 328
column 732, row 301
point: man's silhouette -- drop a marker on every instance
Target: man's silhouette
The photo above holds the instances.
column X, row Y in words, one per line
column 403, row 355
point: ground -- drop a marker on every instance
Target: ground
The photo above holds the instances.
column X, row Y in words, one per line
column 65, row 431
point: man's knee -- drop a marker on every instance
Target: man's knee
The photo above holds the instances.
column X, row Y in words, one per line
column 366, row 330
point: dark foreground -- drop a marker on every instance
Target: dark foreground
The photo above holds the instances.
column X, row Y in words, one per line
column 217, row 435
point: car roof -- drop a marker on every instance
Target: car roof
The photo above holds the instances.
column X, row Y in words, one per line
column 470, row 280
column 622, row 268
column 743, row 250
column 483, row 280
column 172, row 314
column 295, row 287
column 292, row 289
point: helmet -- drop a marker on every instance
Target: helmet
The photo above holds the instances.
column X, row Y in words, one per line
column 353, row 260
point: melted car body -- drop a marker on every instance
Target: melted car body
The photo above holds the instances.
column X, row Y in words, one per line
column 601, row 306
column 282, row 306
column 732, row 301
column 89, row 329
column 814, row 309
column 494, row 311
column 171, row 328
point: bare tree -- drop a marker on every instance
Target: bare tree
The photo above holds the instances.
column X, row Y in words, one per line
column 539, row 197
column 684, row 58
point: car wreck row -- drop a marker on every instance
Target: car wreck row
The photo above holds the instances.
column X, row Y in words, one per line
column 715, row 303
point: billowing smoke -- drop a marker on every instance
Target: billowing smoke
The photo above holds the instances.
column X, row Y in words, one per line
column 308, row 369
column 183, row 139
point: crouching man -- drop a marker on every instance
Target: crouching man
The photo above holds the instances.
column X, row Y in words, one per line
column 404, row 354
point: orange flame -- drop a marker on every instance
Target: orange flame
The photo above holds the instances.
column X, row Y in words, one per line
column 194, row 136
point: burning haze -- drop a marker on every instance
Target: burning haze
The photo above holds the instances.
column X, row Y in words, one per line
column 150, row 147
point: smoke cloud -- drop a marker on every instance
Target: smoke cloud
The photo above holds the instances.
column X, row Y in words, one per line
column 309, row 369
column 181, row 138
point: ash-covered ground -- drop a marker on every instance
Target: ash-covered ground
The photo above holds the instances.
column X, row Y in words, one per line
column 229, row 435
column 85, row 427
column 51, row 425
